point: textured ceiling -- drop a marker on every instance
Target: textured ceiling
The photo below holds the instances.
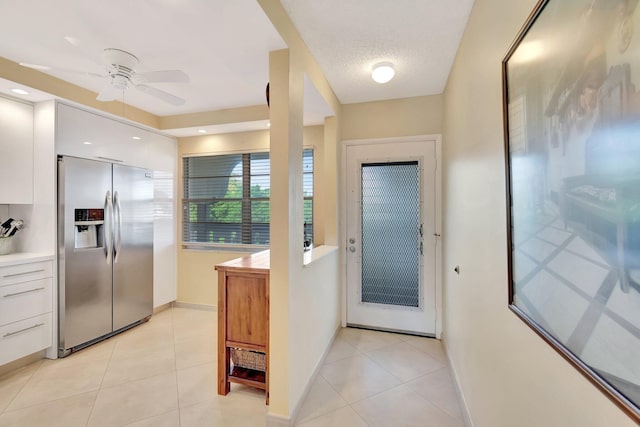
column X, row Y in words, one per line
column 347, row 37
column 223, row 45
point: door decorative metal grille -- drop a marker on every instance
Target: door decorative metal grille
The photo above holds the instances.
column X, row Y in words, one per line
column 391, row 233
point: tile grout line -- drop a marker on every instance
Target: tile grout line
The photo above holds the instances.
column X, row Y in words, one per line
column 336, row 391
column 5, row 410
column 175, row 365
column 101, row 381
column 402, row 383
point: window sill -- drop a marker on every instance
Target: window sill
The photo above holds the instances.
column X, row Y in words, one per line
column 223, row 247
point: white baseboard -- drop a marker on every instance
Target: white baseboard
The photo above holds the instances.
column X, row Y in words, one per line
column 194, row 306
column 294, row 412
column 162, row 307
column 466, row 415
column 274, row 420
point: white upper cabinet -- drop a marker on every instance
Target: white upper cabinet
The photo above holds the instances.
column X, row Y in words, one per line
column 16, row 152
column 89, row 135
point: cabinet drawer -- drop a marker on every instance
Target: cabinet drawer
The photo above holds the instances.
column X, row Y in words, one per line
column 26, row 299
column 25, row 272
column 25, row 337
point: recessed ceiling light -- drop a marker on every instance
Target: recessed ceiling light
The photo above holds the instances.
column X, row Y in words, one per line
column 202, row 131
column 268, row 124
column 34, row 66
column 382, row 72
column 137, row 138
column 20, row 91
column 87, row 143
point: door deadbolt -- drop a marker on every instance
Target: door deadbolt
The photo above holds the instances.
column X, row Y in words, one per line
column 352, row 240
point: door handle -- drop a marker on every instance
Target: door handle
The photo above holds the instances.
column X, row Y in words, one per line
column 118, row 234
column 352, row 249
column 108, row 234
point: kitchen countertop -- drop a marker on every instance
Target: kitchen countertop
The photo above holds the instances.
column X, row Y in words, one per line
column 24, row 257
column 254, row 262
column 260, row 260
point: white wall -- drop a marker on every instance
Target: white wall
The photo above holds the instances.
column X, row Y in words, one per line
column 509, row 376
column 315, row 309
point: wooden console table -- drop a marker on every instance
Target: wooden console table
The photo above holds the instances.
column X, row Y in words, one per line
column 243, row 319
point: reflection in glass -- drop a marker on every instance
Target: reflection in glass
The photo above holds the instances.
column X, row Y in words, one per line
column 574, row 146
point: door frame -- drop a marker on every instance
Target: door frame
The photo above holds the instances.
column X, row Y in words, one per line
column 437, row 140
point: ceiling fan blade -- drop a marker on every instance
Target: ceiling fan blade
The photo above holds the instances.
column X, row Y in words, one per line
column 164, row 76
column 108, row 93
column 160, row 94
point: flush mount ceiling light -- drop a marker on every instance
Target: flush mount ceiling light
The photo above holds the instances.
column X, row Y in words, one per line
column 202, row 131
column 137, row 138
column 20, row 91
column 382, row 72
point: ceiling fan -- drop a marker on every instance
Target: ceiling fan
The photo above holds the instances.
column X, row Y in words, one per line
column 121, row 70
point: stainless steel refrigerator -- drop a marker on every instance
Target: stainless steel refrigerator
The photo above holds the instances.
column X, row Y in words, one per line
column 105, row 250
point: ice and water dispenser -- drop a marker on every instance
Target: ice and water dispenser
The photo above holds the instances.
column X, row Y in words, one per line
column 88, row 228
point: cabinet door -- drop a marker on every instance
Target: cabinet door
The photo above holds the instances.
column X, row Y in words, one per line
column 247, row 309
column 16, row 152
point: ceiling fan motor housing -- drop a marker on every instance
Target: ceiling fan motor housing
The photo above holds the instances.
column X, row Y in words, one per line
column 121, row 66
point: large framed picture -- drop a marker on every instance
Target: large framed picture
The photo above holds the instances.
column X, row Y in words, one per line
column 571, row 83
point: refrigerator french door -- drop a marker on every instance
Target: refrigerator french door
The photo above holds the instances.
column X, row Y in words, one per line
column 105, row 245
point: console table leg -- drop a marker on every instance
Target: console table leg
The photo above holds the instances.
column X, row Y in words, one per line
column 224, row 386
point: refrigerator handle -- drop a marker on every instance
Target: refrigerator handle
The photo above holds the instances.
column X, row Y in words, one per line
column 118, row 219
column 108, row 207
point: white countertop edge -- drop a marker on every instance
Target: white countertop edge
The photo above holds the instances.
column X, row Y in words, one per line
column 318, row 252
column 24, row 257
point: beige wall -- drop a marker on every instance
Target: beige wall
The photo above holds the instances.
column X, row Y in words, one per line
column 197, row 280
column 421, row 115
column 508, row 375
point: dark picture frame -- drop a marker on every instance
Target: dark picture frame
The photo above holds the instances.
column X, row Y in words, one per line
column 572, row 152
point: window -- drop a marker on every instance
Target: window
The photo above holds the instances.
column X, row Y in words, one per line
column 226, row 198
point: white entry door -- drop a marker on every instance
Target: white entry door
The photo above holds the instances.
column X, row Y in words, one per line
column 392, row 236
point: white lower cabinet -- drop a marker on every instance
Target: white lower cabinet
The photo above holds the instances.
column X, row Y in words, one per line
column 26, row 309
column 25, row 337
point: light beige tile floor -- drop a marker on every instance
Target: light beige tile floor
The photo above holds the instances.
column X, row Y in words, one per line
column 163, row 374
